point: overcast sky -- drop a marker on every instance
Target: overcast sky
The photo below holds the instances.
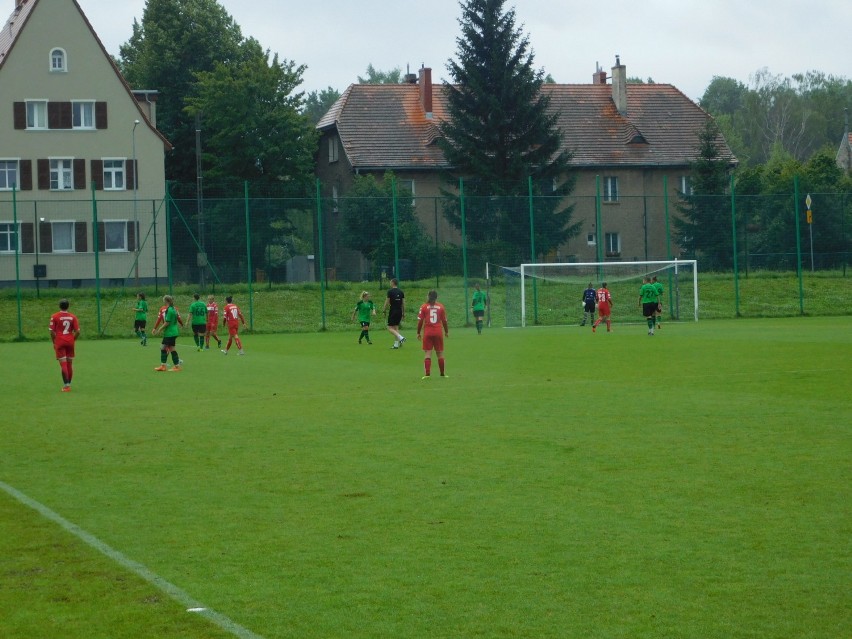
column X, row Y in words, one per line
column 681, row 42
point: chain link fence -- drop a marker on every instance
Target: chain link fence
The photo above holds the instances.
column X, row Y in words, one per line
column 235, row 237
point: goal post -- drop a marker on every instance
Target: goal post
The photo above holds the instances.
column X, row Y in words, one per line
column 550, row 293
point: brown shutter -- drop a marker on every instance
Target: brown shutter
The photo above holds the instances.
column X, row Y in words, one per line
column 27, row 238
column 26, row 175
column 43, row 174
column 54, row 115
column 79, row 174
column 19, row 109
column 66, row 120
column 101, row 237
column 80, row 245
column 100, row 115
column 132, row 232
column 132, row 174
column 45, row 237
column 98, row 174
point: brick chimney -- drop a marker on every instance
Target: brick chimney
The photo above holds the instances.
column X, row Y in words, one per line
column 619, row 86
column 599, row 76
column 425, row 82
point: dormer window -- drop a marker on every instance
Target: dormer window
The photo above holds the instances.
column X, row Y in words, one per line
column 58, row 61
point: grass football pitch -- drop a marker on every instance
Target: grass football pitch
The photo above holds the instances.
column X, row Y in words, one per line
column 693, row 484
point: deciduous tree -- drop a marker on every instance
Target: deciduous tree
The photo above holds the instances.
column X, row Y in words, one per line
column 367, row 222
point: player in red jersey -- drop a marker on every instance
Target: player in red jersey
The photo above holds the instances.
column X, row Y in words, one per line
column 231, row 317
column 64, row 331
column 432, row 328
column 161, row 317
column 212, row 322
column 604, row 308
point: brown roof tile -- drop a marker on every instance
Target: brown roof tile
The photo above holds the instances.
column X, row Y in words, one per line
column 384, row 126
column 13, row 27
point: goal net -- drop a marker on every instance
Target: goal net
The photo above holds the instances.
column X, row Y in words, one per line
column 551, row 294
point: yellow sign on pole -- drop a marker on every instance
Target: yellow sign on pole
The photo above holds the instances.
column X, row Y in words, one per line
column 810, row 216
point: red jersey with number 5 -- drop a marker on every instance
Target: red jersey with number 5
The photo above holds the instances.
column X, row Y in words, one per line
column 433, row 318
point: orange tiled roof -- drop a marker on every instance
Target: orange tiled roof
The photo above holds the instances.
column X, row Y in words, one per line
column 384, row 126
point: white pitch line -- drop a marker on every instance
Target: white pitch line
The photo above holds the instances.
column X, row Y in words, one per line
column 167, row 587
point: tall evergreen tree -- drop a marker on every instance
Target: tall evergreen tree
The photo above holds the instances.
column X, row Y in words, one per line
column 500, row 134
column 704, row 229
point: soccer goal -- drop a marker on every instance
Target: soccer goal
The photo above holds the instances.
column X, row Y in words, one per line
column 551, row 294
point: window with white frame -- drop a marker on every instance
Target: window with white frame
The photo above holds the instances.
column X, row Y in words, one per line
column 61, row 175
column 610, row 185
column 58, row 61
column 685, row 185
column 115, row 236
column 333, row 151
column 612, row 242
column 8, row 174
column 36, row 114
column 83, row 114
column 114, row 175
column 62, row 235
column 335, row 195
column 591, row 240
column 407, row 186
column 10, row 240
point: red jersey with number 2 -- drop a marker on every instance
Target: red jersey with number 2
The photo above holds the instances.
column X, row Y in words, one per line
column 65, row 327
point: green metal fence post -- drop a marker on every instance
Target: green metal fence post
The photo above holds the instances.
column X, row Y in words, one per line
column 464, row 251
column 395, row 230
column 248, row 253
column 734, row 239
column 798, row 247
column 669, row 247
column 97, row 257
column 321, row 253
column 156, row 261
column 598, row 231
column 17, row 259
column 532, row 244
column 169, row 268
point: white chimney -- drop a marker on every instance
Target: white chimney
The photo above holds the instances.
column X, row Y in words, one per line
column 619, row 86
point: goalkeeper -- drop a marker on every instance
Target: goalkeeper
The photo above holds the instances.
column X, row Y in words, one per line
column 588, row 305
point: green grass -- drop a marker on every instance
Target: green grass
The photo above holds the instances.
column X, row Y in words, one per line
column 558, row 484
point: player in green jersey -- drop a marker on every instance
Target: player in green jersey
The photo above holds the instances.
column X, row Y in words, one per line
column 364, row 309
column 141, row 318
column 480, row 300
column 659, row 286
column 648, row 302
column 198, row 316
